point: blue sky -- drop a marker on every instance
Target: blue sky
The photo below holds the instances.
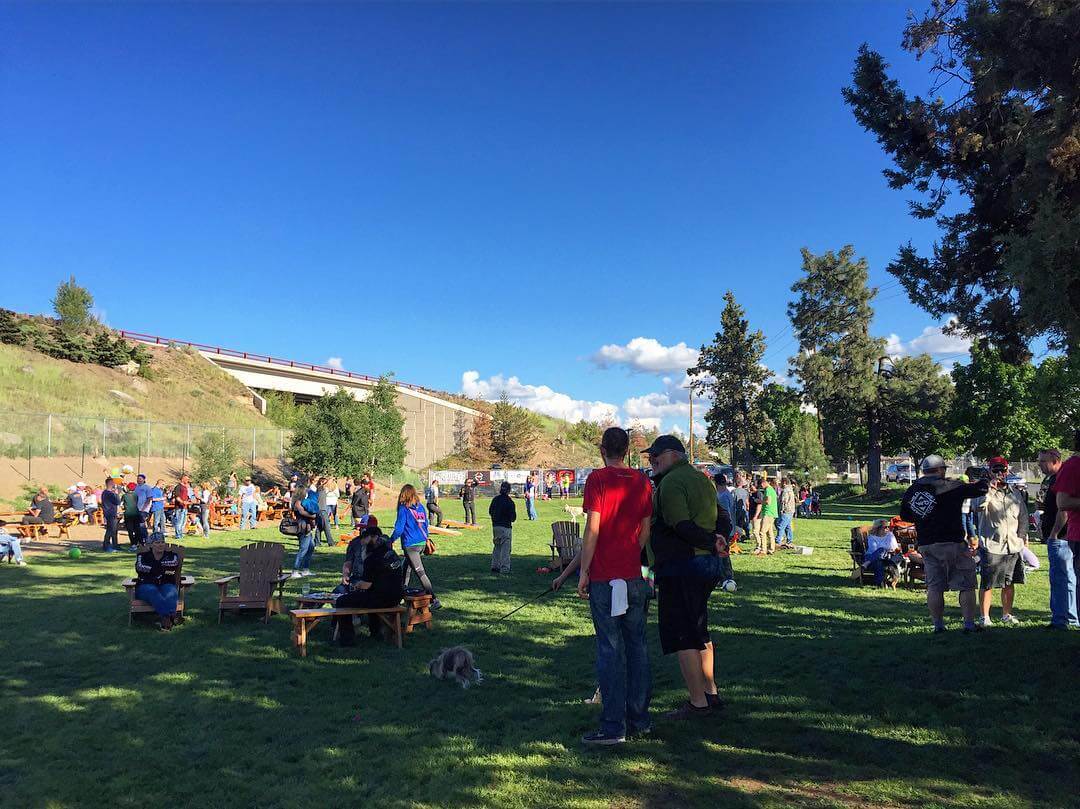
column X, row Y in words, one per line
column 548, row 199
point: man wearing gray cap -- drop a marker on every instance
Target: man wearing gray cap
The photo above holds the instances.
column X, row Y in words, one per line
column 935, row 505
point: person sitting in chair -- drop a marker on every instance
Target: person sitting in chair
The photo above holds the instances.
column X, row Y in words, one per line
column 370, row 578
column 10, row 544
column 880, row 545
column 157, row 582
column 76, row 505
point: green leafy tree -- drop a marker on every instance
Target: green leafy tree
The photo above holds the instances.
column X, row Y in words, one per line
column 9, row 328
column 281, row 408
column 916, row 401
column 780, row 407
column 730, row 373
column 216, row 456
column 586, row 432
column 1057, row 390
column 514, row 432
column 332, row 435
column 384, row 445
column 837, row 357
column 1005, row 140
column 996, row 410
column 72, row 305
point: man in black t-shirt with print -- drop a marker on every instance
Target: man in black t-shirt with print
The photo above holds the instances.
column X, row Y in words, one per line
column 935, row 505
column 378, row 583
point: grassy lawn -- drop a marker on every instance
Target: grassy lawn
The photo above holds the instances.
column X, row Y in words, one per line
column 837, row 695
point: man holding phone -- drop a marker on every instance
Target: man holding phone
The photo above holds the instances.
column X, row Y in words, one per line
column 1003, row 523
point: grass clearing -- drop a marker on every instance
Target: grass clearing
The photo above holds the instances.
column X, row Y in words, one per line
column 838, row 696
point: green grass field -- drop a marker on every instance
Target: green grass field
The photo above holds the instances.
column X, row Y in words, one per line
column 837, row 695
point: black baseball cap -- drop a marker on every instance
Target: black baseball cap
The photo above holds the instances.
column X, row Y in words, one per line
column 663, row 443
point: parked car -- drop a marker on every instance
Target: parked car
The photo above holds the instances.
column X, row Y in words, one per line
column 900, row 473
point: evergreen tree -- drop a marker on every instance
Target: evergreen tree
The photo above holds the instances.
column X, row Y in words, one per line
column 104, row 350
column 9, row 328
column 68, row 345
column 916, row 401
column 837, row 357
column 730, row 373
column 514, row 433
column 72, row 305
column 1006, row 139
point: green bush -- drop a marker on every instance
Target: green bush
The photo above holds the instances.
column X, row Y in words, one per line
column 10, row 329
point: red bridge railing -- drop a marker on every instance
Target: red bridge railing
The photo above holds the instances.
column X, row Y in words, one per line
column 153, row 339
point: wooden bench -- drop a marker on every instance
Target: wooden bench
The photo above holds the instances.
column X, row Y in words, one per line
column 306, row 620
column 418, row 611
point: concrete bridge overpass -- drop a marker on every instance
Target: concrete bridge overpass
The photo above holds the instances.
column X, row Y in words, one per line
column 434, row 426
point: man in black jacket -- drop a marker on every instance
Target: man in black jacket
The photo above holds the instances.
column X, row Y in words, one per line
column 935, row 505
column 378, row 584
column 468, row 500
column 502, row 513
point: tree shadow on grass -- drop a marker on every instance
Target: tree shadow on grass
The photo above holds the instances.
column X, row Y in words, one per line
column 835, row 696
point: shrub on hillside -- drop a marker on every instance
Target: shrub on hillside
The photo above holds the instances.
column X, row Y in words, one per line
column 216, row 457
column 10, row 329
column 72, row 305
column 104, row 350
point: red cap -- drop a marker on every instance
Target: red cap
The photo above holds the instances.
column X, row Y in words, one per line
column 998, row 461
column 131, row 487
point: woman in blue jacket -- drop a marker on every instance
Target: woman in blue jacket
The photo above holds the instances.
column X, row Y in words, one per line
column 411, row 527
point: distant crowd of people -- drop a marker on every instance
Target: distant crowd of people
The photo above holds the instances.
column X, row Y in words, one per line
column 973, row 536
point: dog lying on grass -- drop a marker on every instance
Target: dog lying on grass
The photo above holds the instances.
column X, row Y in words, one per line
column 456, row 663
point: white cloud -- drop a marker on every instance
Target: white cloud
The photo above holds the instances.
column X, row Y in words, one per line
column 648, row 423
column 655, row 405
column 647, row 355
column 933, row 340
column 335, row 362
column 538, row 398
column 699, row 430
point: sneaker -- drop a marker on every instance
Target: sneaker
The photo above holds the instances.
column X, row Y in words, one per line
column 435, row 604
column 600, row 738
column 986, row 621
column 296, row 574
column 939, row 629
column 715, row 703
column 21, row 563
column 305, row 572
column 973, row 628
column 1010, row 620
column 688, row 711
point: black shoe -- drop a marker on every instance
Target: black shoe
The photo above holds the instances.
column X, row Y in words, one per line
column 974, row 628
column 715, row 703
column 688, row 711
column 939, row 629
column 599, row 738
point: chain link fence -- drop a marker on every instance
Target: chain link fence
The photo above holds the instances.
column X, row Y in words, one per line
column 49, row 435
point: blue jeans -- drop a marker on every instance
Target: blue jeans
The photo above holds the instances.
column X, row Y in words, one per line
column 877, row 564
column 622, row 658
column 784, row 532
column 248, row 512
column 179, row 521
column 971, row 528
column 1062, row 582
column 162, row 597
column 204, row 520
column 158, row 520
column 530, row 508
column 304, row 554
column 10, row 544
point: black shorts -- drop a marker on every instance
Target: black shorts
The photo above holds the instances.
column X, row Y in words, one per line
column 1001, row 569
column 683, row 604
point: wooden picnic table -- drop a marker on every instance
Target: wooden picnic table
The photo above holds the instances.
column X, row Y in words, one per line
column 304, row 621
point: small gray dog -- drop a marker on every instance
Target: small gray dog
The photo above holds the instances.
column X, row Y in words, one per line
column 456, row 663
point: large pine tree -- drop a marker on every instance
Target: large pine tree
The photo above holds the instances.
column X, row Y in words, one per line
column 838, row 359
column 730, row 373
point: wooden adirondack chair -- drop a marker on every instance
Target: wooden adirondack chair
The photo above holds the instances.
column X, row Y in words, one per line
column 260, row 575
column 136, row 605
column 565, row 542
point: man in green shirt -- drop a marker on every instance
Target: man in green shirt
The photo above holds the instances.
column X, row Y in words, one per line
column 683, row 547
column 766, row 535
column 133, row 518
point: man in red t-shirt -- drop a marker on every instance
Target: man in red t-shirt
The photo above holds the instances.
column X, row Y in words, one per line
column 1067, row 493
column 618, row 505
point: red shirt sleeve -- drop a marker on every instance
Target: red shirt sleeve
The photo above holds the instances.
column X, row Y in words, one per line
column 646, row 498
column 1068, row 479
column 593, row 493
